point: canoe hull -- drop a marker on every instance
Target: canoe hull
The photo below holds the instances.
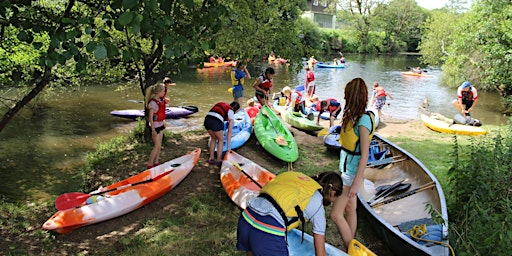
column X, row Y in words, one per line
column 122, row 201
column 391, row 220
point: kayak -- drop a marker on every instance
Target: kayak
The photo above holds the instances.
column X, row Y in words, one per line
column 329, row 65
column 123, row 197
column 297, row 120
column 410, row 73
column 242, row 129
column 267, row 130
column 170, row 112
column 241, row 189
column 218, row 64
column 440, row 123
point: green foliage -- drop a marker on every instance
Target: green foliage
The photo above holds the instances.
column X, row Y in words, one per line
column 479, row 199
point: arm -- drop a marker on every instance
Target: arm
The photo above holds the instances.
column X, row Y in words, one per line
column 319, row 242
column 150, row 117
column 247, row 74
column 256, row 85
column 364, row 141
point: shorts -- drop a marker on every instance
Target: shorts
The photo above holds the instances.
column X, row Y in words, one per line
column 260, row 243
column 379, row 103
column 336, row 113
column 238, row 94
column 213, row 123
column 347, row 179
column 159, row 129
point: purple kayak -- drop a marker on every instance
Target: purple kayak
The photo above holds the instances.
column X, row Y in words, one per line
column 170, row 112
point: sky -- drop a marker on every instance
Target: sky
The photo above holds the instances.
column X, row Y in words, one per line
column 432, row 4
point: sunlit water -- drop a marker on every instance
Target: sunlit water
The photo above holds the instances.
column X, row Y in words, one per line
column 40, row 152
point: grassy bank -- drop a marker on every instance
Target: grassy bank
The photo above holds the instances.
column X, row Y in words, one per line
column 197, row 217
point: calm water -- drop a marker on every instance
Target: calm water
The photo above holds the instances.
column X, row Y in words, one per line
column 40, row 152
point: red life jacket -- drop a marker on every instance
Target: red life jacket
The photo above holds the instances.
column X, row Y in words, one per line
column 380, row 91
column 252, row 111
column 299, row 97
column 160, row 114
column 329, row 107
column 310, row 76
column 265, row 83
column 222, row 109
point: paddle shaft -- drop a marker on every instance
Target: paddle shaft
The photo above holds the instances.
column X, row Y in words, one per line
column 387, row 192
column 246, row 174
column 132, row 184
column 406, row 194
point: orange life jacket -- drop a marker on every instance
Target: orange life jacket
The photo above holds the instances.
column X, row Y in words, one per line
column 160, row 114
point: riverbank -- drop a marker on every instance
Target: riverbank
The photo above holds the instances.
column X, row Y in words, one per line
column 195, row 217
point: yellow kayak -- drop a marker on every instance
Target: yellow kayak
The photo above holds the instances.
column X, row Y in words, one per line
column 439, row 123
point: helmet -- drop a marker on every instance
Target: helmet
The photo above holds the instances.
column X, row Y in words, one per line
column 465, row 85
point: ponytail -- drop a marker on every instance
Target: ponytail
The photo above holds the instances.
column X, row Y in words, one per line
column 329, row 181
column 151, row 92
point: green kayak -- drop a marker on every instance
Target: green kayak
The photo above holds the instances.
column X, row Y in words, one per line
column 299, row 121
column 274, row 136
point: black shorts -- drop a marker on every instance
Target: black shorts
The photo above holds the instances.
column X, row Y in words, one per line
column 213, row 123
column 159, row 129
column 335, row 114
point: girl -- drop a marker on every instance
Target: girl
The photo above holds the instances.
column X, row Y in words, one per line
column 263, row 85
column 357, row 130
column 214, row 124
column 155, row 103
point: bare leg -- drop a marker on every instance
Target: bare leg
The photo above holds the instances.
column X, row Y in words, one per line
column 337, row 215
column 351, row 215
column 219, row 136
column 212, row 144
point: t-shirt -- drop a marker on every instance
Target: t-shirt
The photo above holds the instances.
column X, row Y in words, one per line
column 353, row 160
column 314, row 211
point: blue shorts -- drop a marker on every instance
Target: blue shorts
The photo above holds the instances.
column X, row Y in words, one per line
column 238, row 94
column 259, row 242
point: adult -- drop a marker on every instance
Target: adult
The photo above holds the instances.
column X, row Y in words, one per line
column 214, row 124
column 263, row 86
column 284, row 203
column 467, row 97
column 310, row 82
column 379, row 96
column 357, row 131
column 332, row 105
column 238, row 75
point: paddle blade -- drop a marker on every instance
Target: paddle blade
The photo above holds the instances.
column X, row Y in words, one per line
column 70, row 200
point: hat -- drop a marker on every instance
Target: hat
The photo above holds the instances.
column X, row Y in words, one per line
column 465, row 85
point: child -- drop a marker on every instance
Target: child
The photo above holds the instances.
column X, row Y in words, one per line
column 310, row 82
column 237, row 80
column 167, row 82
column 357, row 130
column 263, row 85
column 214, row 124
column 155, row 105
column 294, row 99
column 252, row 109
column 331, row 105
column 379, row 97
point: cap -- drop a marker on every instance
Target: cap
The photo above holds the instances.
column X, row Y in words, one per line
column 465, row 85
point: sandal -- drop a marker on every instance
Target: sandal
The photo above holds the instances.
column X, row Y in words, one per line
column 148, row 166
column 219, row 164
column 211, row 161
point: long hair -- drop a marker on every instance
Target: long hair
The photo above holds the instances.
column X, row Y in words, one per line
column 329, row 181
column 152, row 91
column 356, row 99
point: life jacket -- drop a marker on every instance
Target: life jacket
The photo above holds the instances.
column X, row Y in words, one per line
column 310, row 76
column 290, row 193
column 222, row 109
column 349, row 139
column 265, row 83
column 467, row 95
column 330, row 108
column 160, row 114
column 299, row 97
column 380, row 92
column 252, row 111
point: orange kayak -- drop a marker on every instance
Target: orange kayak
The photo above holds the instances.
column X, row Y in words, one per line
column 126, row 198
column 410, row 73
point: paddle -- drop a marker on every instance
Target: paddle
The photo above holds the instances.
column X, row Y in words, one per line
column 381, row 189
column 74, row 199
column 406, row 194
column 242, row 170
column 386, row 192
column 279, row 139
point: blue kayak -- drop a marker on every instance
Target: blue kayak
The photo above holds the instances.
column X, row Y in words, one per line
column 329, row 65
column 242, row 129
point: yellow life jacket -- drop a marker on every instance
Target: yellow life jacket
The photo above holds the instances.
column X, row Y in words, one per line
column 349, row 139
column 290, row 193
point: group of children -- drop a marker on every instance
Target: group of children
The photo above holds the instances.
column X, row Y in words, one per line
column 326, row 188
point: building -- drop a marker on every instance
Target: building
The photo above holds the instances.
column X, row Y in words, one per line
column 317, row 13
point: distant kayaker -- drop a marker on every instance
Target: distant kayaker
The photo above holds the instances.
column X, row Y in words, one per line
column 214, row 124
column 263, row 85
column 417, row 70
column 379, row 96
column 284, row 203
column 467, row 97
column 155, row 103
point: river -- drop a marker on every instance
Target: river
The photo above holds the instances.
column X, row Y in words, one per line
column 40, row 151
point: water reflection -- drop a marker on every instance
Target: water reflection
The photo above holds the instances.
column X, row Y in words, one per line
column 40, row 152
